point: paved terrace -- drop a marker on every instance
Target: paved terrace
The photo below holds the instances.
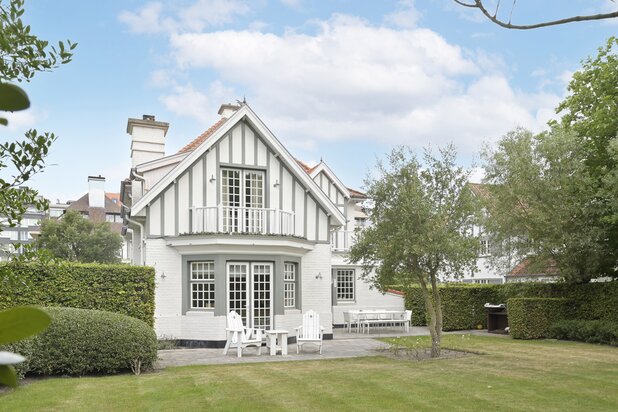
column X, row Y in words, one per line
column 343, row 345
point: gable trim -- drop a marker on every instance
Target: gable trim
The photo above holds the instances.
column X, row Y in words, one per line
column 244, row 112
column 323, row 167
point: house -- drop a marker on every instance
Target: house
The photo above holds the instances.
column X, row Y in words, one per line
column 516, row 271
column 233, row 221
column 99, row 206
column 12, row 238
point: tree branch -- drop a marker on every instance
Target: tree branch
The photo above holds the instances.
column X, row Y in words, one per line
column 478, row 4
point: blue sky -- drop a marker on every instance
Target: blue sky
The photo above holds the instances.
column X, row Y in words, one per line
column 341, row 80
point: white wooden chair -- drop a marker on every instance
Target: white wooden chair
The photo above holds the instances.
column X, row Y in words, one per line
column 405, row 320
column 348, row 319
column 240, row 336
column 310, row 332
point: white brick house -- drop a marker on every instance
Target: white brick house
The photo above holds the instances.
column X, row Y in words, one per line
column 234, row 222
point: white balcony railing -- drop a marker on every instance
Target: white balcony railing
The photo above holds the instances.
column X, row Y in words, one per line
column 341, row 240
column 228, row 219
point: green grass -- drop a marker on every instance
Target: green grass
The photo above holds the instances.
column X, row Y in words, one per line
column 509, row 375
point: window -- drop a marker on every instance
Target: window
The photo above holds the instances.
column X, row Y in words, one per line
column 484, row 251
column 289, row 285
column 242, row 197
column 113, row 218
column 202, row 284
column 345, row 284
column 481, row 281
column 360, row 221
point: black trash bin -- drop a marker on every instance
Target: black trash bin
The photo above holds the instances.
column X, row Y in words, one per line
column 497, row 319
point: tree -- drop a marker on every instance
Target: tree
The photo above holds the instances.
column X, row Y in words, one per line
column 543, row 203
column 591, row 108
column 478, row 4
column 77, row 239
column 420, row 218
column 22, row 55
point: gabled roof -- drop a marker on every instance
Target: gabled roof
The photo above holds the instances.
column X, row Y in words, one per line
column 249, row 115
column 112, row 203
column 323, row 168
column 201, row 138
column 357, row 194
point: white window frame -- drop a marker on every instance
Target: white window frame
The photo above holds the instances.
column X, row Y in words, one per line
column 345, row 288
column 485, row 249
column 202, row 285
column 289, row 285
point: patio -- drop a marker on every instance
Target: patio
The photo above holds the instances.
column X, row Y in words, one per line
column 344, row 345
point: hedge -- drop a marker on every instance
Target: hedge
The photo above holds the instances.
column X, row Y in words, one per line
column 124, row 289
column 590, row 331
column 83, row 341
column 531, row 318
column 463, row 303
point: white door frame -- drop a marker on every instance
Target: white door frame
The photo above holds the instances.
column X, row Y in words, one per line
column 250, row 300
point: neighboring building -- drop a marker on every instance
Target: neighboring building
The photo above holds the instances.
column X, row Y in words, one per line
column 11, row 238
column 488, row 274
column 100, row 206
column 56, row 210
column 234, row 222
column 527, row 272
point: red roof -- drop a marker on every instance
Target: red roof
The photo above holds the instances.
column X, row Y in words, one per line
column 527, row 268
column 356, row 193
column 201, row 138
column 305, row 166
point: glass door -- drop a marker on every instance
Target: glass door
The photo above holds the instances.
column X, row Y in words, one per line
column 250, row 293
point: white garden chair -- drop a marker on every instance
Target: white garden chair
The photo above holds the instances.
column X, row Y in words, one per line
column 240, row 336
column 310, row 332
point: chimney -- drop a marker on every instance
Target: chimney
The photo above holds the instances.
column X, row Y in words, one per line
column 147, row 139
column 228, row 109
column 96, row 191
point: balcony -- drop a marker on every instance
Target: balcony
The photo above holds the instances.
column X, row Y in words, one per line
column 341, row 240
column 229, row 219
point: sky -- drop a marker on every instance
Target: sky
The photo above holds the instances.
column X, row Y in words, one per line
column 340, row 80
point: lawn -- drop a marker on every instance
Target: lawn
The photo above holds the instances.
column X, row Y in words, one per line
column 508, row 375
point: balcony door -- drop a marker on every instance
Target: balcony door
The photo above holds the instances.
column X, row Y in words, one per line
column 242, row 200
column 250, row 292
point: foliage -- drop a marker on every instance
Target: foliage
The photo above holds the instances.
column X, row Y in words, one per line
column 116, row 288
column 591, row 107
column 542, row 201
column 22, row 55
column 17, row 324
column 531, row 318
column 82, row 341
column 590, row 331
column 420, row 216
column 510, row 375
column 463, row 304
column 77, row 239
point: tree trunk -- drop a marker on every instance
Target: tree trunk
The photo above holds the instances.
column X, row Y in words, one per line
column 437, row 301
column 435, row 321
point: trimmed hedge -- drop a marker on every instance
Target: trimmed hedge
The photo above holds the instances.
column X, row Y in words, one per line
column 116, row 288
column 590, row 331
column 531, row 318
column 82, row 341
column 463, row 303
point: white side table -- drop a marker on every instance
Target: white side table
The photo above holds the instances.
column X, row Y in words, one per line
column 277, row 339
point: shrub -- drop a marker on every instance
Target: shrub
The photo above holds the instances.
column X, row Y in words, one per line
column 531, row 318
column 82, row 341
column 463, row 303
column 116, row 288
column 591, row 331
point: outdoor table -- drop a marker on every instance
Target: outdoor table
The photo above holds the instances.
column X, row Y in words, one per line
column 277, row 339
column 373, row 314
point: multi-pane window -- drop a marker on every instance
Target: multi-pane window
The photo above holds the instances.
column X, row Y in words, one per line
column 289, row 285
column 484, row 251
column 242, row 198
column 202, row 284
column 345, row 284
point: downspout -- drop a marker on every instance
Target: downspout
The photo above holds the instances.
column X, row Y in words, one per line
column 142, row 253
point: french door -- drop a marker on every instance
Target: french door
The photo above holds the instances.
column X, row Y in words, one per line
column 249, row 287
column 242, row 200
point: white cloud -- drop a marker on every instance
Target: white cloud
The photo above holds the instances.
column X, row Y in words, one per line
column 406, row 16
column 291, row 3
column 22, row 120
column 356, row 81
column 155, row 17
column 186, row 100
